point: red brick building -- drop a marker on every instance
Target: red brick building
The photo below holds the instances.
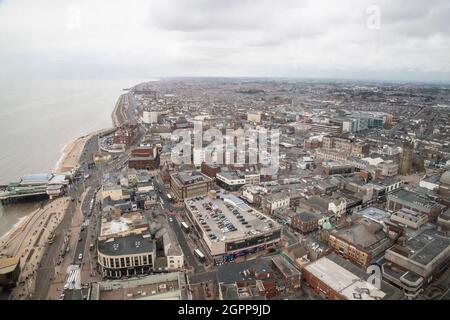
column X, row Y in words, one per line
column 209, row 170
column 305, row 222
column 125, row 135
column 146, row 158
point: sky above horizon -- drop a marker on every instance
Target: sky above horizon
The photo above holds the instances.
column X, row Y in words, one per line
column 347, row 39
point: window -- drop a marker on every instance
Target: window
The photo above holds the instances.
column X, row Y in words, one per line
column 122, row 262
column 111, row 263
column 117, row 263
column 144, row 259
column 127, row 260
column 150, row 259
column 136, row 261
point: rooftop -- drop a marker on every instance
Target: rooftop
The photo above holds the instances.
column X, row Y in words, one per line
column 231, row 175
column 307, row 216
column 410, row 215
column 374, row 214
column 411, row 198
column 124, row 223
column 8, row 265
column 348, row 280
column 426, row 246
column 246, row 220
column 131, row 244
column 166, row 286
column 364, row 233
column 190, row 177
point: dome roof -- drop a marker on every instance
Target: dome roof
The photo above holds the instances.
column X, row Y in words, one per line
column 445, row 178
column 327, row 225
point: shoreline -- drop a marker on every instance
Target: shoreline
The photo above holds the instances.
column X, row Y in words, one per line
column 69, row 159
column 72, row 151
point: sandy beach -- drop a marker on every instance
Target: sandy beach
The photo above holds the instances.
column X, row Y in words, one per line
column 72, row 152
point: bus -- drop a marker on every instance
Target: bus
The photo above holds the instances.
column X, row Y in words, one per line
column 185, row 226
column 199, row 255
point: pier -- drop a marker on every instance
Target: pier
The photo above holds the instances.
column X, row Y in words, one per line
column 34, row 186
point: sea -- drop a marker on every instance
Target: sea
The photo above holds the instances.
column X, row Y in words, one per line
column 39, row 117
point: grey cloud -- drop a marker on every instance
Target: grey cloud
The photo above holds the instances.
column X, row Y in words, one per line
column 219, row 37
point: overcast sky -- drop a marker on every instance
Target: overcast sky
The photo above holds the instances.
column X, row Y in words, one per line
column 384, row 39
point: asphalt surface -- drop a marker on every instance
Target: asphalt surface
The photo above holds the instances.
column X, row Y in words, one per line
column 289, row 236
column 190, row 259
column 46, row 271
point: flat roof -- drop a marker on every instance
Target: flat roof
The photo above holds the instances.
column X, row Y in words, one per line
column 426, row 246
column 408, row 214
column 166, row 286
column 37, row 178
column 411, row 198
column 308, row 216
column 343, row 281
column 374, row 214
column 231, row 175
column 246, row 220
column 190, row 177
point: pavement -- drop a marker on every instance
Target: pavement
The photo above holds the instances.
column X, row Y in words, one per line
column 69, row 222
column 31, row 244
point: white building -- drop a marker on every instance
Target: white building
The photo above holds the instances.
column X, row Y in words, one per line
column 275, row 201
column 150, row 117
column 430, row 183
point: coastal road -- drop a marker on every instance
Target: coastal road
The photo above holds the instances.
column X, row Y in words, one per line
column 46, row 270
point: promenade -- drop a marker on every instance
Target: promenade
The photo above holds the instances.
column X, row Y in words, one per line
column 29, row 240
